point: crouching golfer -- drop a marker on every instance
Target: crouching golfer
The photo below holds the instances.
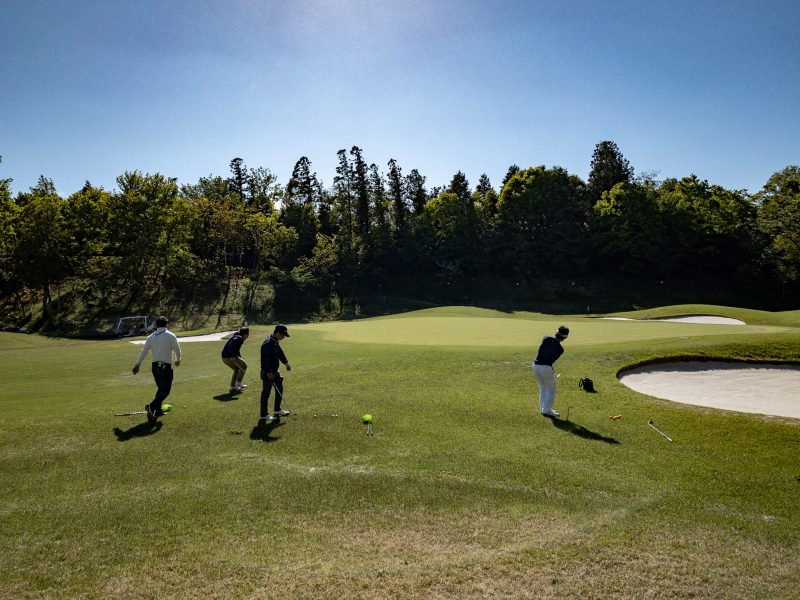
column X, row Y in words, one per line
column 163, row 345
column 549, row 351
column 232, row 356
column 271, row 357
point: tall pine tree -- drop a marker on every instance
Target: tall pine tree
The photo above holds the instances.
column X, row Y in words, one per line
column 609, row 168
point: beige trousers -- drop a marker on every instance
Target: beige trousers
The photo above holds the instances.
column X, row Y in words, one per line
column 239, row 367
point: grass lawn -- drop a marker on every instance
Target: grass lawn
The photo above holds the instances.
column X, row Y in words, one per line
column 463, row 491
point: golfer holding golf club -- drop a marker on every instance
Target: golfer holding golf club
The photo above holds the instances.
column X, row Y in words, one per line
column 232, row 356
column 271, row 357
column 163, row 344
column 549, row 351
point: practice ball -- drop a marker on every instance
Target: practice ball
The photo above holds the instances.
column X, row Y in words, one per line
column 166, row 407
column 366, row 419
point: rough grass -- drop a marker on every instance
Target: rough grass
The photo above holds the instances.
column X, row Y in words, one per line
column 464, row 491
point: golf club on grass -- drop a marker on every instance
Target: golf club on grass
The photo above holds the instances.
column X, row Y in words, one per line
column 166, row 408
column 650, row 424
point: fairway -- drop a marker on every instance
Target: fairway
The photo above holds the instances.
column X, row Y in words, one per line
column 455, row 327
column 463, row 491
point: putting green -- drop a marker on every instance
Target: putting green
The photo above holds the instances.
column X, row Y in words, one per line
column 492, row 328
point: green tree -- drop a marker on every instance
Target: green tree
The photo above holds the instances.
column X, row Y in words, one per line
column 711, row 228
column 358, row 175
column 262, row 190
column 542, row 223
column 445, row 224
column 397, row 198
column 467, row 233
column 316, row 275
column 213, row 188
column 271, row 242
column 778, row 219
column 378, row 245
column 485, row 199
column 415, row 189
column 460, row 187
column 9, row 213
column 300, row 200
column 86, row 216
column 238, row 179
column 512, row 170
column 344, row 194
column 41, row 256
column 150, row 229
column 628, row 232
column 609, row 168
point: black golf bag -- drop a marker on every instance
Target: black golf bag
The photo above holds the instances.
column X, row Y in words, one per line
column 587, row 385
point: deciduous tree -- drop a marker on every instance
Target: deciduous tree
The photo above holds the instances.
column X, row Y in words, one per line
column 779, row 220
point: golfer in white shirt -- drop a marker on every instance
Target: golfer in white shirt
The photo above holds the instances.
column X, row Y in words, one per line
column 163, row 344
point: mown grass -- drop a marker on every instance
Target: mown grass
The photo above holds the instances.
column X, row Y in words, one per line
column 464, row 491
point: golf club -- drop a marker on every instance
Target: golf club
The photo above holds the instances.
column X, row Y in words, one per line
column 127, row 414
column 650, row 423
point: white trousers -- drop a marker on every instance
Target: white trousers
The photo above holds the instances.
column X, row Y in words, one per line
column 547, row 386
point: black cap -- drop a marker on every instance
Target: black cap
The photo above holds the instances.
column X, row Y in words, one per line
column 563, row 332
column 282, row 329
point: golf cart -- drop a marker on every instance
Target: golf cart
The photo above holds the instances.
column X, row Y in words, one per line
column 140, row 325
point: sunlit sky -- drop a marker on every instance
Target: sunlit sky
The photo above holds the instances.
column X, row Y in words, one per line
column 91, row 89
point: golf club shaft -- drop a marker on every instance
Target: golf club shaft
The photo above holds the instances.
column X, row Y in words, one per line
column 273, row 385
column 659, row 431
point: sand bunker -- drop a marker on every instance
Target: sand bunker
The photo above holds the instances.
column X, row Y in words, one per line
column 702, row 319
column 211, row 337
column 752, row 388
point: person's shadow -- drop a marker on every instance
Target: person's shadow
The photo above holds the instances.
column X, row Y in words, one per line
column 140, row 430
column 263, row 431
column 227, row 396
column 581, row 431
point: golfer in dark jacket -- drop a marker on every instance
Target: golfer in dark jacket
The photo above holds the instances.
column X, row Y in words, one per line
column 271, row 357
column 232, row 356
column 549, row 351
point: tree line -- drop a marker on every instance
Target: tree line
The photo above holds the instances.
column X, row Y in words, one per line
column 309, row 243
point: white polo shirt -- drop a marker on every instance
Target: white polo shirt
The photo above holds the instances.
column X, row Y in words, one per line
column 163, row 343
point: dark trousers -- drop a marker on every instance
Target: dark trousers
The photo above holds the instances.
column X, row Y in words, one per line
column 162, row 373
column 266, row 390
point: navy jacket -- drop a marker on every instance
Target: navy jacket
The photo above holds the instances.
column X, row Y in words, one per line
column 272, row 355
column 549, row 351
column 233, row 347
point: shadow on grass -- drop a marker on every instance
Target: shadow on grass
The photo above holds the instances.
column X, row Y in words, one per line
column 140, row 430
column 263, row 430
column 581, row 431
column 227, row 397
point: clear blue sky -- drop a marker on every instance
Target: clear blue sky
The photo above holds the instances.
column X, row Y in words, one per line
column 90, row 89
